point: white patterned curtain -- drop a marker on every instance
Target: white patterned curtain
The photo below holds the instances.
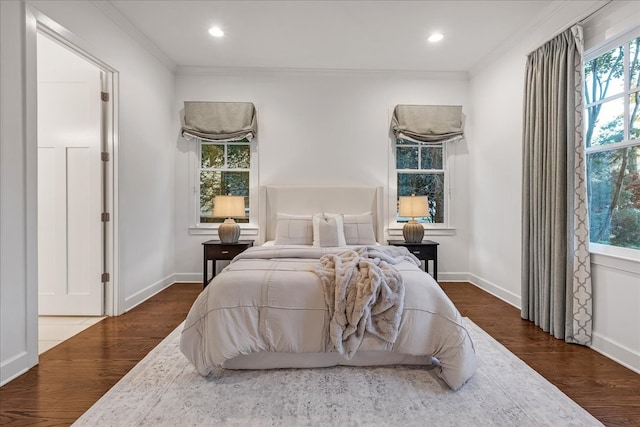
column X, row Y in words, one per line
column 556, row 266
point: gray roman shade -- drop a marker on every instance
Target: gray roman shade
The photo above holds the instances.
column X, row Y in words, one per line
column 428, row 123
column 219, row 121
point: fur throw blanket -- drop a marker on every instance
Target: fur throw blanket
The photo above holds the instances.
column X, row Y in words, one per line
column 363, row 292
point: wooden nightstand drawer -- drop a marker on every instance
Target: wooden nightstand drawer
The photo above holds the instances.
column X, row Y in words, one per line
column 218, row 251
column 224, row 251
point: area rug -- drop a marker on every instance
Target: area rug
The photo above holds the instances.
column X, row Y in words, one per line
column 165, row 390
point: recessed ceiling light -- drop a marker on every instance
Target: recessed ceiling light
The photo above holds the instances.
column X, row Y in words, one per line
column 435, row 37
column 216, row 32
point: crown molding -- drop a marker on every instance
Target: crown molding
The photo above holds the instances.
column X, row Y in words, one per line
column 113, row 13
column 268, row 71
column 531, row 37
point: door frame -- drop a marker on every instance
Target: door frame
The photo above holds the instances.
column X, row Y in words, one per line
column 45, row 25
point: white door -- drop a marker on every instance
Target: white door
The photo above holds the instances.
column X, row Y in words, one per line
column 69, row 183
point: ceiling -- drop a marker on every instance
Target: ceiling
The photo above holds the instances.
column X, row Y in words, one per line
column 299, row 34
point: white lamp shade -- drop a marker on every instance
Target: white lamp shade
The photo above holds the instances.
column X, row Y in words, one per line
column 228, row 206
column 414, row 206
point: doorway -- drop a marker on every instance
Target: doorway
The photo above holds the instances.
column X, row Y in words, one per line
column 71, row 186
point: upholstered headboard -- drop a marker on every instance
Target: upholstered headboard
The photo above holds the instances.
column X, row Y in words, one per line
column 311, row 200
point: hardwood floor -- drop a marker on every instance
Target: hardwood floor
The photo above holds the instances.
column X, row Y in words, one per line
column 609, row 391
column 73, row 375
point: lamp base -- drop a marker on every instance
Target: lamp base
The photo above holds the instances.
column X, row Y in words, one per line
column 413, row 231
column 229, row 231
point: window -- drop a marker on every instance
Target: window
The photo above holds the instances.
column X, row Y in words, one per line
column 223, row 168
column 420, row 169
column 612, row 138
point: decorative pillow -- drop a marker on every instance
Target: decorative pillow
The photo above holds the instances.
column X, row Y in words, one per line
column 293, row 229
column 328, row 231
column 358, row 229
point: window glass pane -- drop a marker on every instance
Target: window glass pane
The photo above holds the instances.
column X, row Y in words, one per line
column 431, row 157
column 407, row 158
column 634, row 116
column 604, row 123
column 210, row 186
column 634, row 64
column 213, row 183
column 604, row 75
column 614, row 197
column 238, row 156
column 212, row 156
column 429, row 184
column 236, row 183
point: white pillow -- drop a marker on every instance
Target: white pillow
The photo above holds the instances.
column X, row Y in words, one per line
column 328, row 231
column 358, row 229
column 293, row 230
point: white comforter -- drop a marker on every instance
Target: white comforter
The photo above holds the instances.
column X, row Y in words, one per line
column 270, row 300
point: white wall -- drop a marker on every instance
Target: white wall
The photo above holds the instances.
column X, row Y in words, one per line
column 18, row 197
column 148, row 125
column 496, row 169
column 496, row 93
column 321, row 128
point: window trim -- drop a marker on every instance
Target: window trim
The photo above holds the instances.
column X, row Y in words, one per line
column 438, row 229
column 602, row 252
column 249, row 229
column 616, row 257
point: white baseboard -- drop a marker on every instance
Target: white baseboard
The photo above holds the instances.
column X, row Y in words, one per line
column 495, row 290
column 143, row 295
column 14, row 367
column 187, row 278
column 453, row 277
column 616, row 352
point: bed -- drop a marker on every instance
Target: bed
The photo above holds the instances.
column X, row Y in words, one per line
column 322, row 292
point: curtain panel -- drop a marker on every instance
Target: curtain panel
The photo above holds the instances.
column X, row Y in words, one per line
column 219, row 121
column 428, row 123
column 556, row 276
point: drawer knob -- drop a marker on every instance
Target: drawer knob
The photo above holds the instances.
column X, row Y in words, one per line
column 225, row 252
column 416, row 252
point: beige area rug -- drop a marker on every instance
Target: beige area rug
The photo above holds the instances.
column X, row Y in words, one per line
column 165, row 390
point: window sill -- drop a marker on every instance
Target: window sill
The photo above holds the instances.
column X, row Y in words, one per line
column 396, row 231
column 614, row 257
column 246, row 230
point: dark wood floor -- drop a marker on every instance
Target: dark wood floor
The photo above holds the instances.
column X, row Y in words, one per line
column 609, row 391
column 73, row 375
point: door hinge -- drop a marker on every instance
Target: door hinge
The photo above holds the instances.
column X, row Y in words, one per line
column 104, row 156
column 104, row 96
column 105, row 277
column 105, row 217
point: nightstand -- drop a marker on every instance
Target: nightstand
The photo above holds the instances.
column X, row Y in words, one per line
column 214, row 250
column 426, row 251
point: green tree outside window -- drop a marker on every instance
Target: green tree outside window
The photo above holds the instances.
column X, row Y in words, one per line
column 612, row 139
column 224, row 169
column 420, row 170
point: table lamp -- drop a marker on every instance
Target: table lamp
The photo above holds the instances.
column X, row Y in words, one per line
column 413, row 206
column 228, row 207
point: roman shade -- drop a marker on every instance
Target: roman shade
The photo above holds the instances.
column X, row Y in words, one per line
column 428, row 123
column 219, row 121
